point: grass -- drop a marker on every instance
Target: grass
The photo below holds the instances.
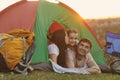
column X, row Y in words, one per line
column 41, row 75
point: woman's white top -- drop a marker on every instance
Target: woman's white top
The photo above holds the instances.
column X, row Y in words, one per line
column 53, row 49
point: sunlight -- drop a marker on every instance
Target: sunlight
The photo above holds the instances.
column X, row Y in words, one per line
column 6, row 3
column 95, row 8
column 53, row 1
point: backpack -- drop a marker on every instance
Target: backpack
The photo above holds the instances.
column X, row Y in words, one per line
column 113, row 44
column 115, row 66
column 13, row 46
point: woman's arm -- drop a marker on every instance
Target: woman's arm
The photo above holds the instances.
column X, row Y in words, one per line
column 53, row 52
column 53, row 57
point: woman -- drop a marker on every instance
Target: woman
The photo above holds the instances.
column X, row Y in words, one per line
column 57, row 47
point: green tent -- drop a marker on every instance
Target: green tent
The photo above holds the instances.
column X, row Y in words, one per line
column 37, row 16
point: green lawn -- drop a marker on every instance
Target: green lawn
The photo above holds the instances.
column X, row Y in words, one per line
column 40, row 75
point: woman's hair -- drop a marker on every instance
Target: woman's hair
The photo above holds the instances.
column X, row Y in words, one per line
column 58, row 37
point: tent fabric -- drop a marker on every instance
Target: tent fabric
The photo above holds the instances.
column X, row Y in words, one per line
column 38, row 16
column 20, row 15
column 113, row 44
column 48, row 13
column 54, row 27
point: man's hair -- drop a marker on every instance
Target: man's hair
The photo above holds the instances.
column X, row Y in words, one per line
column 72, row 31
column 87, row 41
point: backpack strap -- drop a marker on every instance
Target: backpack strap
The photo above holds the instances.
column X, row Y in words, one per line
column 24, row 48
column 30, row 52
column 24, row 67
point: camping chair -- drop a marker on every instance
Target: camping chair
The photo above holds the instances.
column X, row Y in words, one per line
column 113, row 44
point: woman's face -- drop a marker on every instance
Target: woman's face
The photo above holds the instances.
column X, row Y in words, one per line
column 73, row 38
column 66, row 38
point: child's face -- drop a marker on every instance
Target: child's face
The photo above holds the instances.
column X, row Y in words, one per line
column 73, row 38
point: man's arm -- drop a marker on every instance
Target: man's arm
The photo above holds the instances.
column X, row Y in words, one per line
column 94, row 69
column 92, row 66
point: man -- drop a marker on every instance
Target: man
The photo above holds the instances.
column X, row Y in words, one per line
column 82, row 60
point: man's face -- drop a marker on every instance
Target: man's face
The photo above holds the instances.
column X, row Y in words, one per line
column 83, row 48
column 73, row 37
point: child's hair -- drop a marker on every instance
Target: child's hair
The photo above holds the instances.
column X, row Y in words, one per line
column 72, row 31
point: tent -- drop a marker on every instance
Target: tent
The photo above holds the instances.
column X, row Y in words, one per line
column 37, row 16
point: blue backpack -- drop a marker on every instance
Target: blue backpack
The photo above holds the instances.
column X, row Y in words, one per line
column 113, row 44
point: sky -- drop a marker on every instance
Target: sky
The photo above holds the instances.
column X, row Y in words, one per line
column 86, row 8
